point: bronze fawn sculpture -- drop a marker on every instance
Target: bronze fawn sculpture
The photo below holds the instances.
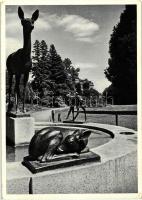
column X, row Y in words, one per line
column 19, row 63
column 49, row 142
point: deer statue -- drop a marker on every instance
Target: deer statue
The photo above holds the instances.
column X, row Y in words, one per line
column 19, row 63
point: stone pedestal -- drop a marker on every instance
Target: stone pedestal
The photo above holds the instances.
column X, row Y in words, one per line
column 61, row 161
column 19, row 129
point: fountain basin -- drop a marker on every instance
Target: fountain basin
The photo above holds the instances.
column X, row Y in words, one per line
column 116, row 173
column 97, row 138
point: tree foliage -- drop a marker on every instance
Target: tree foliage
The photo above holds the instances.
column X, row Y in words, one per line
column 39, row 66
column 49, row 71
column 87, row 90
column 72, row 73
column 122, row 70
column 53, row 78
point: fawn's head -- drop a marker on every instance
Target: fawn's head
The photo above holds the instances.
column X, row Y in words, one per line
column 27, row 23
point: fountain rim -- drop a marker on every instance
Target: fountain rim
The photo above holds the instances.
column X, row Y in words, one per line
column 112, row 130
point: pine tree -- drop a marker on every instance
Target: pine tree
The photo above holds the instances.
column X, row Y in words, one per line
column 72, row 73
column 122, row 70
column 41, row 65
column 44, row 67
column 36, row 65
column 58, row 74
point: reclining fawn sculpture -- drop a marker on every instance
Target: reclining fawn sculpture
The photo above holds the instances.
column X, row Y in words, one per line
column 48, row 142
column 19, row 62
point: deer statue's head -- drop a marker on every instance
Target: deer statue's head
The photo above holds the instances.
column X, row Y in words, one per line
column 27, row 23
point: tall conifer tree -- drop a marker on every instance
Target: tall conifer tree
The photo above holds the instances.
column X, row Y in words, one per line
column 122, row 70
column 58, row 75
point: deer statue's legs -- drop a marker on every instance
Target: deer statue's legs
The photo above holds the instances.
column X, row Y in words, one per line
column 26, row 77
column 10, row 77
column 17, row 90
column 69, row 112
column 84, row 112
column 77, row 110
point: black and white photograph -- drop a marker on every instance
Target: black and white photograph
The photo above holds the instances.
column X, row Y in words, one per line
column 71, row 99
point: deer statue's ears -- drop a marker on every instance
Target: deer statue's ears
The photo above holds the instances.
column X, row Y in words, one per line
column 35, row 15
column 20, row 13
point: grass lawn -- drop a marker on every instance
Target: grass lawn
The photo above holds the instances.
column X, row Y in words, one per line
column 129, row 121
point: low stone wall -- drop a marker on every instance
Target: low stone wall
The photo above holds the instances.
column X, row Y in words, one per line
column 114, row 176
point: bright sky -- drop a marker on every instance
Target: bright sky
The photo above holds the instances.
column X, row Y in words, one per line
column 81, row 33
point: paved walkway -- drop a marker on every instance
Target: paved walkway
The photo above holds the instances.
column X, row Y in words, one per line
column 45, row 115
